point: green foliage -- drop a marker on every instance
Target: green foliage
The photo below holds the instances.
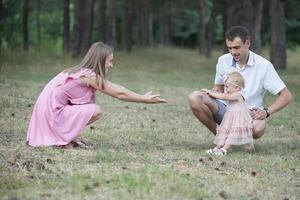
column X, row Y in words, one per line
column 185, row 26
column 292, row 23
column 185, row 23
column 11, row 24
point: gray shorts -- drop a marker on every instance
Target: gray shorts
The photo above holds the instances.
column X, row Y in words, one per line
column 218, row 116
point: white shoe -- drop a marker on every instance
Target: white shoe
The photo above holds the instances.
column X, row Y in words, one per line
column 217, row 152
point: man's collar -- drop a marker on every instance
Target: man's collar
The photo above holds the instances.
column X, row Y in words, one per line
column 250, row 61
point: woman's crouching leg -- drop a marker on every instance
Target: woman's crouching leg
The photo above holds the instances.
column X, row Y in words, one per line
column 96, row 115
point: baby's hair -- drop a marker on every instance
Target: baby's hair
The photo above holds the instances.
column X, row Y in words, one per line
column 237, row 78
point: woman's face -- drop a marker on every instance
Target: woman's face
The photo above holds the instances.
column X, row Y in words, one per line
column 109, row 62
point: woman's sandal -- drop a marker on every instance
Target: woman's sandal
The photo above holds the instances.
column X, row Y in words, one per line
column 66, row 146
column 80, row 144
column 75, row 144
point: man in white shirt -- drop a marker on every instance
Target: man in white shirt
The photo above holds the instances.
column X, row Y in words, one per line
column 259, row 75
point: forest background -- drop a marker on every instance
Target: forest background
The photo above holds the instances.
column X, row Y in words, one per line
column 70, row 26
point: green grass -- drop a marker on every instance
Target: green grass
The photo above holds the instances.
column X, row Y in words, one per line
column 143, row 151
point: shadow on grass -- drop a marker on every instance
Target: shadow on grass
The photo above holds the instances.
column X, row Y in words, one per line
column 278, row 148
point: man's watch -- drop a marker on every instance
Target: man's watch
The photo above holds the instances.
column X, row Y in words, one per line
column 267, row 111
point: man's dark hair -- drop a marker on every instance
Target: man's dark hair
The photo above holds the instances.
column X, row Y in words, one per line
column 238, row 31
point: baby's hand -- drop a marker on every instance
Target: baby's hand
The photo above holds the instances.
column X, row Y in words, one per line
column 205, row 90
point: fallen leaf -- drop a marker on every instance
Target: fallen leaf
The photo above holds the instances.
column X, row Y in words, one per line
column 223, row 194
column 253, row 173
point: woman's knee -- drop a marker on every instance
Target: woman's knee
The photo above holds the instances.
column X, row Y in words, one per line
column 98, row 112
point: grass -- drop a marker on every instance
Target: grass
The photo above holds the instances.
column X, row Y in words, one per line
column 143, row 151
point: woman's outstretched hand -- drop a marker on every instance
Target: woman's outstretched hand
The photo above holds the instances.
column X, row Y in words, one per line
column 153, row 98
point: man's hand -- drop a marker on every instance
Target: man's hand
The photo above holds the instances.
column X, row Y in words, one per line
column 258, row 114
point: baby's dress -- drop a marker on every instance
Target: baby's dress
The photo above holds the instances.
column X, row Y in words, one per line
column 62, row 110
column 236, row 126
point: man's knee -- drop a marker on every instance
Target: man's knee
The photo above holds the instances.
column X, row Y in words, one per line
column 258, row 128
column 257, row 135
column 196, row 98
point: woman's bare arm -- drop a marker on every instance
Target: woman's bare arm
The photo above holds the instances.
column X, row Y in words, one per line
column 122, row 93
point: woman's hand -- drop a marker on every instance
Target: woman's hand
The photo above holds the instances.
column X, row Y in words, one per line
column 153, row 98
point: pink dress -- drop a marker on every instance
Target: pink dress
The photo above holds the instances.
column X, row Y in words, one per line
column 62, row 110
column 236, row 126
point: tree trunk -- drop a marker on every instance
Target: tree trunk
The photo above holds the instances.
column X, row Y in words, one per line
column 150, row 33
column 165, row 22
column 201, row 26
column 1, row 10
column 225, row 23
column 127, row 25
column 82, row 30
column 140, row 23
column 142, row 13
column 247, row 13
column 102, row 18
column 25, row 25
column 4, row 14
column 66, row 37
column 38, row 24
column 87, row 25
column 211, row 29
column 256, row 31
column 233, row 13
column 111, row 33
column 76, row 34
column 251, row 17
column 278, row 35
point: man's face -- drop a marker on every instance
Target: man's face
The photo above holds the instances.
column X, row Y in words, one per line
column 238, row 49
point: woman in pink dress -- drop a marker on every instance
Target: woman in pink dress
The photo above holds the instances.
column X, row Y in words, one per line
column 67, row 103
column 236, row 126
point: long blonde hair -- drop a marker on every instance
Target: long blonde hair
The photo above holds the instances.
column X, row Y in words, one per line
column 94, row 60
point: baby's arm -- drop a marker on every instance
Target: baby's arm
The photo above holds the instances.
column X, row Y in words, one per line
column 229, row 97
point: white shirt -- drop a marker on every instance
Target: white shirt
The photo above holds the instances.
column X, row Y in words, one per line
column 259, row 75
